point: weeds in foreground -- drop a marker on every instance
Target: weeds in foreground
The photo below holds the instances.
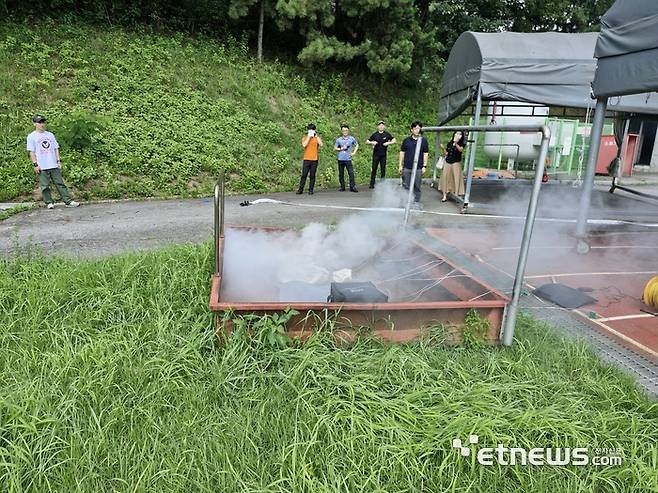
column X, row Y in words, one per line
column 112, row 380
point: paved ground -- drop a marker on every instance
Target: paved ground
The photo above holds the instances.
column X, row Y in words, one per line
column 100, row 229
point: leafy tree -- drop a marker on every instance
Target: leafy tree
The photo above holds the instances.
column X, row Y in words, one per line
column 242, row 8
column 390, row 37
column 557, row 15
column 408, row 39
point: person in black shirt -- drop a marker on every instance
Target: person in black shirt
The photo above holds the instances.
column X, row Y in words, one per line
column 407, row 153
column 452, row 177
column 380, row 141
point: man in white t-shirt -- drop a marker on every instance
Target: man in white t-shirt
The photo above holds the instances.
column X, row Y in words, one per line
column 44, row 154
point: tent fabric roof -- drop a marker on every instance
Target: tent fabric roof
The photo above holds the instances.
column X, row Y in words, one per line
column 627, row 49
column 553, row 69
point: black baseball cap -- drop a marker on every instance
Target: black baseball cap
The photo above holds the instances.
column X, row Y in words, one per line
column 311, row 126
column 39, row 119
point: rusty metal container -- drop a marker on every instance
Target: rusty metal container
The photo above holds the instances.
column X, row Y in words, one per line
column 448, row 294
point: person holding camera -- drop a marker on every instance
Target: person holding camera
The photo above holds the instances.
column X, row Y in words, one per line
column 452, row 177
column 346, row 145
column 311, row 143
column 43, row 150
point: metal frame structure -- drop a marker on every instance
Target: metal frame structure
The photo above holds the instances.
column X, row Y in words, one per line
column 512, row 309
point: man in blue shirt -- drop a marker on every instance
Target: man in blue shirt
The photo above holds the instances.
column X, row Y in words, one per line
column 346, row 145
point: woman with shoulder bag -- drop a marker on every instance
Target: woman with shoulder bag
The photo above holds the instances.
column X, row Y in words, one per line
column 452, row 177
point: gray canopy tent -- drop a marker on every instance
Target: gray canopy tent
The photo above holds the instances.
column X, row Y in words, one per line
column 627, row 53
column 553, row 69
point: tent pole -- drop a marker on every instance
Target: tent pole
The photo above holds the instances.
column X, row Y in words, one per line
column 513, row 307
column 412, row 184
column 471, row 154
column 588, row 183
column 437, row 143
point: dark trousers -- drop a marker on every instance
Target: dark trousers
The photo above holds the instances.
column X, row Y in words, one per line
column 406, row 180
column 54, row 174
column 309, row 167
column 381, row 162
column 341, row 174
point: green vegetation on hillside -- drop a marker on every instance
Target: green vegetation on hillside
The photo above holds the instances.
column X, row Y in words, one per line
column 144, row 114
column 391, row 39
column 111, row 381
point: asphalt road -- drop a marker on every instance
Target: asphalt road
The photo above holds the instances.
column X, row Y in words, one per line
column 101, row 229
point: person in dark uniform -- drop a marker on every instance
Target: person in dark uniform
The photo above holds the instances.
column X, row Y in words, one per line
column 380, row 141
column 452, row 177
column 407, row 154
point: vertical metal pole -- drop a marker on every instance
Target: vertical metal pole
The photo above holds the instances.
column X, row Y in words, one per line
column 223, row 208
column 419, row 143
column 437, row 153
column 219, row 218
column 471, row 154
column 592, row 157
column 216, row 228
column 513, row 307
column 437, row 141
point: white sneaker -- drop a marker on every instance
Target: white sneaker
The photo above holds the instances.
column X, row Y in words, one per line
column 50, row 206
column 73, row 203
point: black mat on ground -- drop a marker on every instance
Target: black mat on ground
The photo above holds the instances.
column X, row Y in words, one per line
column 563, row 296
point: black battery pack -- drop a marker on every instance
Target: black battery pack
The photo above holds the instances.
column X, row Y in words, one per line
column 356, row 292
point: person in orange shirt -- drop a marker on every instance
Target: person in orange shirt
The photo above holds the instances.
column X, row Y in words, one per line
column 311, row 143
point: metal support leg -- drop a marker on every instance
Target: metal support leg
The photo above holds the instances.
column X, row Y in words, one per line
column 512, row 308
column 219, row 219
column 437, row 153
column 437, row 144
column 588, row 182
column 471, row 154
column 412, row 183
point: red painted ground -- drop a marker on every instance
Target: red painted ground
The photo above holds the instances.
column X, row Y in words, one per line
column 616, row 270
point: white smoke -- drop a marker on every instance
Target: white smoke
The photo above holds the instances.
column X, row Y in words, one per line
column 257, row 262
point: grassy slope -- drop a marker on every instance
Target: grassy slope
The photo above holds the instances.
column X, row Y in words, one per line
column 111, row 382
column 173, row 111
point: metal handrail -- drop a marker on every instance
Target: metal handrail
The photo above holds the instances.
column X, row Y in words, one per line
column 513, row 307
column 219, row 193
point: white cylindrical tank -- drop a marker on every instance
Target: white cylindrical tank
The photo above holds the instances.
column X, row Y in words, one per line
column 504, row 144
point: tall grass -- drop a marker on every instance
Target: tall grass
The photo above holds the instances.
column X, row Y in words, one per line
column 111, row 381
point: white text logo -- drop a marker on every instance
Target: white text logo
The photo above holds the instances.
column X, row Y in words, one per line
column 578, row 456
